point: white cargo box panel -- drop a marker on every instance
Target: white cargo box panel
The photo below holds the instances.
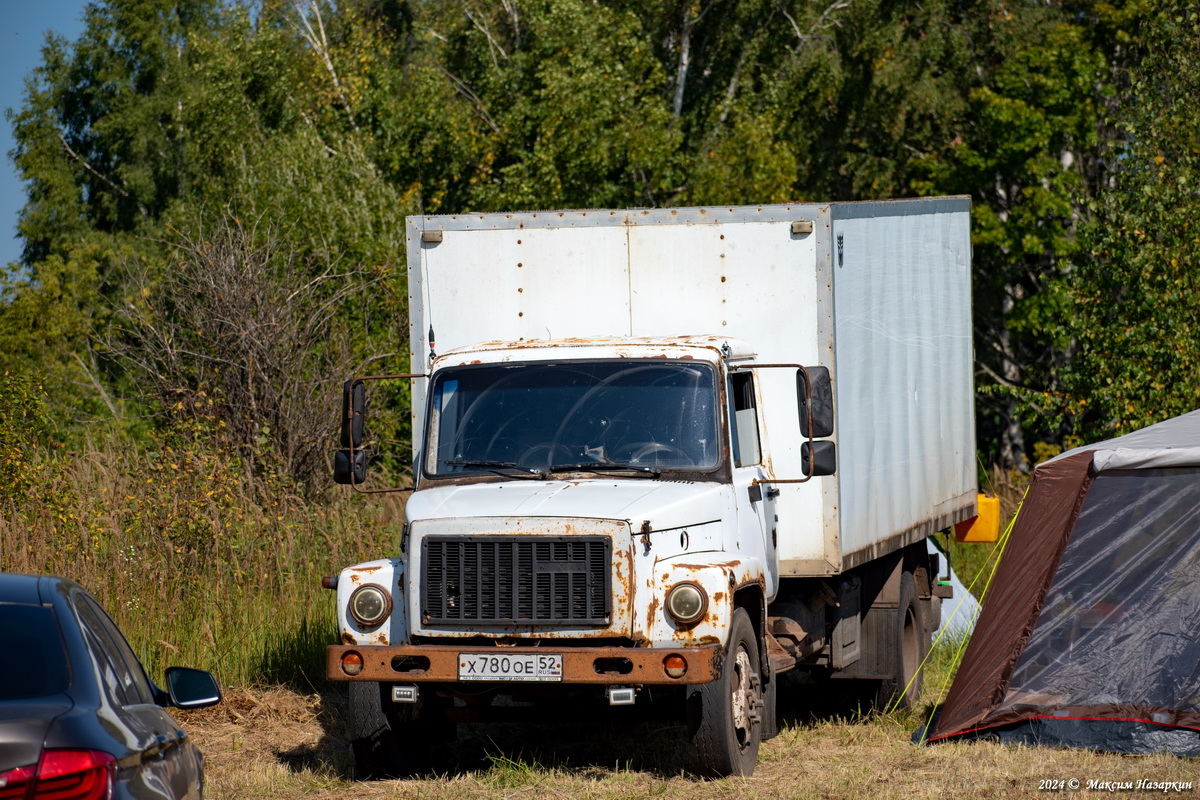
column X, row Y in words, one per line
column 901, row 274
column 893, row 327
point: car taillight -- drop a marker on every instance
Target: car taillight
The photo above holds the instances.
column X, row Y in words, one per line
column 73, row 775
column 14, row 782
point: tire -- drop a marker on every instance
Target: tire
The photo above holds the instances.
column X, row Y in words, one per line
column 725, row 717
column 903, row 690
column 770, row 713
column 390, row 741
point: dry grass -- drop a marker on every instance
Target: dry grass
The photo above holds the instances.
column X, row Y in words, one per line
column 282, row 745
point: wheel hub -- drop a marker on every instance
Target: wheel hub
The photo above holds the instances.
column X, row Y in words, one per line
column 743, row 699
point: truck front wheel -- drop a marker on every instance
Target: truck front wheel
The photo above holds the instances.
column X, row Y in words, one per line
column 391, row 740
column 725, row 717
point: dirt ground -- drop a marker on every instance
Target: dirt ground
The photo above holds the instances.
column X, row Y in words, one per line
column 275, row 743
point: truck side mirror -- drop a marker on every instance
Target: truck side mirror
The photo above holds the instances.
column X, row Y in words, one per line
column 814, row 391
column 350, row 463
column 823, row 457
column 354, row 397
column 350, row 467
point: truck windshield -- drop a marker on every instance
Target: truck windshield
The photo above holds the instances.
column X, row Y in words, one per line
column 539, row 418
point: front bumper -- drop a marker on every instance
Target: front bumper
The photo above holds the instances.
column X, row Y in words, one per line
column 591, row 665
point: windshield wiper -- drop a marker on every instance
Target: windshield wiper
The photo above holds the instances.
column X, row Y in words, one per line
column 497, row 466
column 601, row 466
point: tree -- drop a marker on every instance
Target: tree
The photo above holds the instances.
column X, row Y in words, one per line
column 241, row 340
column 1023, row 149
column 162, row 118
column 332, row 121
column 1137, row 272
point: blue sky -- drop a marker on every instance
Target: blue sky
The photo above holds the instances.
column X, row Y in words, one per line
column 23, row 25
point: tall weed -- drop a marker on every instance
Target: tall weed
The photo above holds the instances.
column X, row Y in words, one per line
column 199, row 561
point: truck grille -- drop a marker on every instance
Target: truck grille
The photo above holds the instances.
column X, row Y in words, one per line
column 529, row 580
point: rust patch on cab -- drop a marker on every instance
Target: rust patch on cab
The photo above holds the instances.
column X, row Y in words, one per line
column 623, row 590
column 348, row 639
column 701, row 567
column 652, row 612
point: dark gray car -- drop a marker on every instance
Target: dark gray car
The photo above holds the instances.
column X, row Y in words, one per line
column 79, row 719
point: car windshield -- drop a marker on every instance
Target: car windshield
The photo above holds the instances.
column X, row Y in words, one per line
column 534, row 419
column 37, row 663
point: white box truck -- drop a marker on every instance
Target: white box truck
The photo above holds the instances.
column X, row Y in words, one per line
column 666, row 453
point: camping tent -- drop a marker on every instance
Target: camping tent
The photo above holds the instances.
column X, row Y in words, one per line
column 1090, row 633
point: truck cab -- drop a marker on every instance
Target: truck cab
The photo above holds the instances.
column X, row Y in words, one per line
column 587, row 517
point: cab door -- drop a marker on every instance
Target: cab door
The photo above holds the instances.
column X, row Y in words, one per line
column 755, row 499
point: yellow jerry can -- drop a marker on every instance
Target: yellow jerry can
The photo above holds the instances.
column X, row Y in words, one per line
column 982, row 528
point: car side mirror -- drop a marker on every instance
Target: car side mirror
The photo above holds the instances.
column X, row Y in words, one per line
column 814, row 392
column 192, row 688
column 354, row 400
column 350, row 467
column 818, row 458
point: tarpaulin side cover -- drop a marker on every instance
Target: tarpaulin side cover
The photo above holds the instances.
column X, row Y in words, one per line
column 1117, row 636
column 1015, row 598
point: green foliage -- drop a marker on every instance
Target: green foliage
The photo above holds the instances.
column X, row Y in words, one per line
column 22, row 423
column 161, row 120
column 1022, row 148
column 557, row 106
column 1134, row 287
column 330, row 122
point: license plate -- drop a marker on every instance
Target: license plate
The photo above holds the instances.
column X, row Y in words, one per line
column 510, row 667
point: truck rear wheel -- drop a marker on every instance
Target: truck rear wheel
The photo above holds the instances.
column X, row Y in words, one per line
column 725, row 717
column 912, row 644
column 390, row 740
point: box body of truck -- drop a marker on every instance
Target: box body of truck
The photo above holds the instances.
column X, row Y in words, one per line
column 878, row 292
column 610, row 405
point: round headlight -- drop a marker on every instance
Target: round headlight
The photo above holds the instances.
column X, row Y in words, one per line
column 370, row 605
column 687, row 602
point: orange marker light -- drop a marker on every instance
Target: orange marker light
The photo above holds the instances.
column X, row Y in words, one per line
column 352, row 663
column 675, row 665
